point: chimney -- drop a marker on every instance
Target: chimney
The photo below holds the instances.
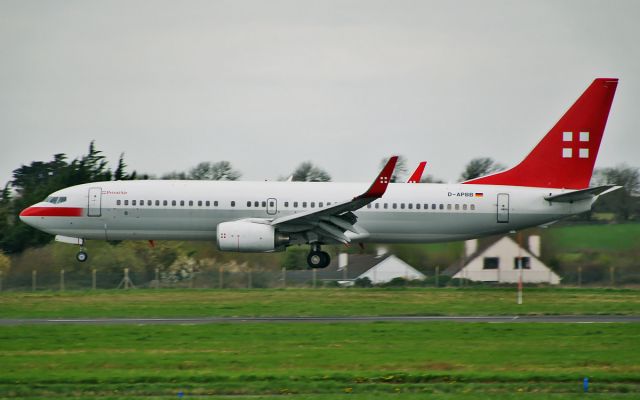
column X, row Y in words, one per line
column 343, row 260
column 470, row 247
column 534, row 245
column 381, row 250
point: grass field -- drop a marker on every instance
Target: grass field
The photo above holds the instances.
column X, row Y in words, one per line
column 318, row 361
column 320, row 302
column 447, row 360
column 615, row 237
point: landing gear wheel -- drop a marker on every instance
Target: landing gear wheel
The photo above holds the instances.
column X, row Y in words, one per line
column 318, row 259
column 82, row 256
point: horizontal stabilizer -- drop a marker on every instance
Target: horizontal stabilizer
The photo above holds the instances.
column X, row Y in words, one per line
column 583, row 194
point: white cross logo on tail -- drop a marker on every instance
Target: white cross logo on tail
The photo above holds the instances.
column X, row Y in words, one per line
column 567, row 139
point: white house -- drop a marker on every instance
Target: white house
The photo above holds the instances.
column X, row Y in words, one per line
column 496, row 260
column 347, row 268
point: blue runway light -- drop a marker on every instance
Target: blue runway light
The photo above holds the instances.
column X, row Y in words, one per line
column 585, row 385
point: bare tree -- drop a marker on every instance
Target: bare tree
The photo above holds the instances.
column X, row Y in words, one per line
column 307, row 172
column 400, row 172
column 480, row 166
column 217, row 171
column 625, row 203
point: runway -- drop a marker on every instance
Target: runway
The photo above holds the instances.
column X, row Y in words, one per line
column 563, row 319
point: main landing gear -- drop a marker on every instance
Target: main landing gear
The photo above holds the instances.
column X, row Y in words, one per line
column 318, row 258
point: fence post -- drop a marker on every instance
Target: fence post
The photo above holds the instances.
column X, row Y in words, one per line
column 157, row 278
column 62, row 280
column 437, row 275
column 0, row 280
column 612, row 272
column 313, row 272
column 580, row 276
column 221, row 277
column 93, row 279
column 34, row 275
column 284, row 277
column 249, row 281
column 190, row 277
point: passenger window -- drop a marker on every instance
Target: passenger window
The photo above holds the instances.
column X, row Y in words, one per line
column 182, row 203
column 248, row 204
column 320, row 205
column 215, row 203
column 395, row 205
column 448, row 206
column 157, row 202
column 328, row 203
column 264, row 204
column 441, row 206
column 174, row 203
column 457, row 207
column 313, row 204
column 141, row 202
column 117, row 202
column 417, row 206
column 286, row 204
column 272, row 204
column 295, row 204
column 304, row 204
column 402, row 206
column 256, row 204
column 385, row 206
column 149, row 202
column 207, row 203
column 464, row 207
column 473, row 206
column 433, row 206
column 233, row 203
column 190, row 203
column 133, row 202
column 410, row 206
column 165, row 202
column 199, row 203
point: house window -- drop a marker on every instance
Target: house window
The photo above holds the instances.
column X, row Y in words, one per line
column 118, row 202
column 526, row 262
column 491, row 263
column 133, row 202
column 126, row 202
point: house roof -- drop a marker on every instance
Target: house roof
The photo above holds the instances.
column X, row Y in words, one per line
column 358, row 264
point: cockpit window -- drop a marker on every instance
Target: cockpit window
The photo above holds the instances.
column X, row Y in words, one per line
column 56, row 199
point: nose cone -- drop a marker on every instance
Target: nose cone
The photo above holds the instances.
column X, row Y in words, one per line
column 26, row 215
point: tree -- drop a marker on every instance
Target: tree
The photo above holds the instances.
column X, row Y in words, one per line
column 480, row 166
column 5, row 263
column 217, row 171
column 400, row 172
column 120, row 173
column 625, row 203
column 307, row 172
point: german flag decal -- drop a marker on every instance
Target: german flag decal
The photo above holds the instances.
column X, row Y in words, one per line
column 479, row 195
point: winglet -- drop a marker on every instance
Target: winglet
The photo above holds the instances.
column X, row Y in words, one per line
column 417, row 174
column 379, row 185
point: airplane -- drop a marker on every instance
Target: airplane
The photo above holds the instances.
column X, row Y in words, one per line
column 551, row 183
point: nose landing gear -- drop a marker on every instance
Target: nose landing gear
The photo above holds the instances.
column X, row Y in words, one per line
column 318, row 258
column 82, row 256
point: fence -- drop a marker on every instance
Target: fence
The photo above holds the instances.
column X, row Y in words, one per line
column 223, row 278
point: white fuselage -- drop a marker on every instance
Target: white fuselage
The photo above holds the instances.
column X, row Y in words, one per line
column 191, row 210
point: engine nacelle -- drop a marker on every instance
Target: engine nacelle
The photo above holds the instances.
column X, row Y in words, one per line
column 249, row 237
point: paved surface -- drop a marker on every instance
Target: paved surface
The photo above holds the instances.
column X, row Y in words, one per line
column 582, row 319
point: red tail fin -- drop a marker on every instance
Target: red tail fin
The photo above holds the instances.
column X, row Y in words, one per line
column 564, row 158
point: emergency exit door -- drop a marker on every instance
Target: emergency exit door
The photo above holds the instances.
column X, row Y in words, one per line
column 503, row 208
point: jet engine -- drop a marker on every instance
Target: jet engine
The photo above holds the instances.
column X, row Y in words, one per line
column 247, row 236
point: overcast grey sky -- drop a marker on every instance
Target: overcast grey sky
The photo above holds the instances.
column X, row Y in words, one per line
column 268, row 84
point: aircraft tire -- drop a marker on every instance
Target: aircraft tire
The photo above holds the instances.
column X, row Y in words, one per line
column 82, row 256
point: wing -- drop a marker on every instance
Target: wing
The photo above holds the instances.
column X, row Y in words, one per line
column 331, row 223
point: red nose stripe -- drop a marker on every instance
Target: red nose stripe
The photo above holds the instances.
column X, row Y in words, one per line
column 51, row 212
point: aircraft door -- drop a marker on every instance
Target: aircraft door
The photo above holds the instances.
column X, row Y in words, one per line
column 95, row 202
column 503, row 208
column 272, row 206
